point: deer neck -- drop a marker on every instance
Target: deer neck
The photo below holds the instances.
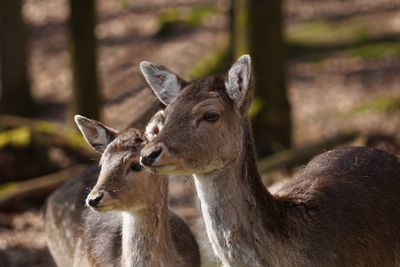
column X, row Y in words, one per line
column 238, row 211
column 146, row 236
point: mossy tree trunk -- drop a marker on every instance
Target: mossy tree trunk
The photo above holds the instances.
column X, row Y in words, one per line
column 238, row 28
column 86, row 94
column 231, row 30
column 15, row 95
column 271, row 109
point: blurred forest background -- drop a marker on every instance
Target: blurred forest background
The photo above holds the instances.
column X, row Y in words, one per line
column 326, row 73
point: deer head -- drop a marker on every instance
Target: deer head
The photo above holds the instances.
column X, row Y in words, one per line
column 202, row 122
column 122, row 184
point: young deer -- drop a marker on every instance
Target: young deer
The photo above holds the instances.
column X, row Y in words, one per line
column 343, row 209
column 141, row 230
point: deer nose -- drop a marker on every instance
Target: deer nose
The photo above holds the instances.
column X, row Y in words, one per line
column 94, row 201
column 148, row 157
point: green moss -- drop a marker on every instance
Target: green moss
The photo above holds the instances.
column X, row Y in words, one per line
column 169, row 15
column 75, row 138
column 19, row 137
column 307, row 33
column 373, row 51
column 256, row 106
column 323, row 33
column 363, row 50
column 169, row 19
column 45, row 127
column 217, row 61
column 355, row 38
column 199, row 14
column 23, row 136
column 398, row 139
column 362, row 34
column 241, row 23
column 7, row 188
column 385, row 104
column 124, row 3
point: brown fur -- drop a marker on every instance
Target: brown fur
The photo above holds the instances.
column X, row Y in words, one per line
column 343, row 209
column 138, row 215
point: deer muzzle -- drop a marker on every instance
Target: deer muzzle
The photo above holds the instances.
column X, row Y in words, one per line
column 151, row 154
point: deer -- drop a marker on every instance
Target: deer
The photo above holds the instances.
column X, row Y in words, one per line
column 127, row 221
column 341, row 209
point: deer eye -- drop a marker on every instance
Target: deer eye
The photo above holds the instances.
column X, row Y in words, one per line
column 138, row 140
column 211, row 116
column 136, row 167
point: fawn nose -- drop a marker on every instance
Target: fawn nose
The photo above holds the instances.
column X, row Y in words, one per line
column 148, row 157
column 94, row 201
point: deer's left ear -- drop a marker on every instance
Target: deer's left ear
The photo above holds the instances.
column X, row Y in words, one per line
column 238, row 81
column 97, row 135
column 164, row 83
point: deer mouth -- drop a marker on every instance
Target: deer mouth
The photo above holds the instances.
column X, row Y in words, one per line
column 155, row 164
column 170, row 169
column 161, row 168
column 104, row 208
column 158, row 162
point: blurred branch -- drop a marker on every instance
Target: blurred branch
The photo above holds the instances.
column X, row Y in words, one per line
column 15, row 195
column 50, row 134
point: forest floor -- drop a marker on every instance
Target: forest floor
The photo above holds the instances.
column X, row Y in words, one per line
column 343, row 76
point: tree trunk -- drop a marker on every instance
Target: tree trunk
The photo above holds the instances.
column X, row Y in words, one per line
column 15, row 95
column 238, row 28
column 231, row 31
column 271, row 117
column 83, row 58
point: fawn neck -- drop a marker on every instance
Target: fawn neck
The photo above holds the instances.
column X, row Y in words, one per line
column 237, row 209
column 146, row 236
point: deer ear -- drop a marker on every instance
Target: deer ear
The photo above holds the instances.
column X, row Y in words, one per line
column 155, row 125
column 164, row 83
column 238, row 81
column 96, row 134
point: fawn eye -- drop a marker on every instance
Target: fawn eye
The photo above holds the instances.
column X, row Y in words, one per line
column 136, row 167
column 138, row 140
column 211, row 116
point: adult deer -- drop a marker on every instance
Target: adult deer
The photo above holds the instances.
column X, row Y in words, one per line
column 343, row 209
column 141, row 230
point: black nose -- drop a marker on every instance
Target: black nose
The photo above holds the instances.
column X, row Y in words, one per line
column 95, row 201
column 151, row 157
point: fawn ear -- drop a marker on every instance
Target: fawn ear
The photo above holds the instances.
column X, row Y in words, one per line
column 155, row 125
column 164, row 83
column 238, row 81
column 96, row 134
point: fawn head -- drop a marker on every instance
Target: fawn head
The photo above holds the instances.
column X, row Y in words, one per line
column 122, row 184
column 202, row 122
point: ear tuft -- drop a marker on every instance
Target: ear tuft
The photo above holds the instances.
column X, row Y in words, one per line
column 155, row 125
column 238, row 81
column 164, row 83
column 97, row 135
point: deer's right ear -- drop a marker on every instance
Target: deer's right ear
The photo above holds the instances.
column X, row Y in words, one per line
column 96, row 134
column 238, row 81
column 155, row 125
column 164, row 83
